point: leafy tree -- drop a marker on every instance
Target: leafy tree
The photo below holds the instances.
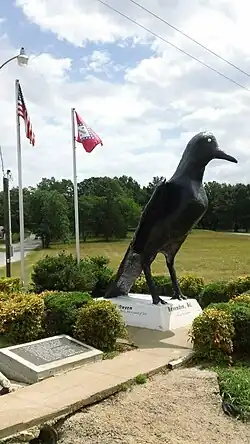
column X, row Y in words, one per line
column 132, row 189
column 66, row 188
column 14, row 202
column 109, row 207
column 87, row 217
column 100, row 187
column 49, row 216
column 151, row 187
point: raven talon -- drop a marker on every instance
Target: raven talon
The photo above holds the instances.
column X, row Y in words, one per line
column 162, row 302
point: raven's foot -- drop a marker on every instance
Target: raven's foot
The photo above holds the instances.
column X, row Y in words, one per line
column 180, row 297
column 157, row 300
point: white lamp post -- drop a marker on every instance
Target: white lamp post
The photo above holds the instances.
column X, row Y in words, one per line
column 22, row 59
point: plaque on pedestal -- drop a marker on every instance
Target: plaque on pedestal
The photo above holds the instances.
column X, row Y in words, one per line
column 138, row 311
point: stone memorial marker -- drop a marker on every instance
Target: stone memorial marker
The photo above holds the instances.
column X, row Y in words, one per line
column 34, row 361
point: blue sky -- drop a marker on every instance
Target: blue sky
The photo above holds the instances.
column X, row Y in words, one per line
column 144, row 98
column 38, row 41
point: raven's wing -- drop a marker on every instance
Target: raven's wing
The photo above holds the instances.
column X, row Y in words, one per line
column 161, row 205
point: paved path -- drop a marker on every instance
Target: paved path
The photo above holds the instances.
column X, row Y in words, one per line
column 30, row 244
column 238, row 233
column 68, row 392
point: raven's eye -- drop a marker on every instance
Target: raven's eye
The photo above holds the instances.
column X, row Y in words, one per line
column 209, row 140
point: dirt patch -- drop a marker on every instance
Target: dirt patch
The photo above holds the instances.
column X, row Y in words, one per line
column 180, row 407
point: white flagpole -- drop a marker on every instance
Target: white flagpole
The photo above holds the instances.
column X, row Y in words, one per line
column 20, row 186
column 77, row 237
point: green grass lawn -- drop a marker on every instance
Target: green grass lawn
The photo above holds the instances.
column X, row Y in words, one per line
column 4, row 342
column 208, row 254
column 234, row 385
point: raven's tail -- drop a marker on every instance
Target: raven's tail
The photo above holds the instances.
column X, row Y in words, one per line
column 129, row 270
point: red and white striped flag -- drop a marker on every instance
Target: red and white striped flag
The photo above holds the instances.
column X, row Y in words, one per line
column 22, row 112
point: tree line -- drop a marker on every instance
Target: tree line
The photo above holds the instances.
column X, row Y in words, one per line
column 110, row 207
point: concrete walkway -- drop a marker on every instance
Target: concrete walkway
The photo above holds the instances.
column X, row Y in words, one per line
column 68, row 392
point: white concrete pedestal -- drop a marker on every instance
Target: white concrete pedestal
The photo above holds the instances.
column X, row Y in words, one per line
column 138, row 311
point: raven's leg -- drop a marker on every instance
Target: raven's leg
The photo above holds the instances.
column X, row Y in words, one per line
column 147, row 271
column 177, row 291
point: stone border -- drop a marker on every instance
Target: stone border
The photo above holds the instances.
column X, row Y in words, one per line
column 176, row 363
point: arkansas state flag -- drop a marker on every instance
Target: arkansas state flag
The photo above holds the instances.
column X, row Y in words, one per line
column 86, row 136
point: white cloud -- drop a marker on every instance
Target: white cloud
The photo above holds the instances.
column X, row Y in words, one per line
column 145, row 120
column 100, row 62
column 97, row 61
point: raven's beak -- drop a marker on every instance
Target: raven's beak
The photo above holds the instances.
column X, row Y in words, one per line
column 221, row 155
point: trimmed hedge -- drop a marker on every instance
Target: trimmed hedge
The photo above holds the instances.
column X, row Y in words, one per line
column 103, row 274
column 61, row 311
column 10, row 285
column 62, row 273
column 244, row 297
column 21, row 317
column 239, row 285
column 214, row 292
column 191, row 286
column 100, row 324
column 212, row 334
column 224, row 291
column 240, row 313
column 239, row 310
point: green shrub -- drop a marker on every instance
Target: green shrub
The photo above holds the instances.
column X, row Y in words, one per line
column 140, row 285
column 10, row 285
column 240, row 314
column 191, row 286
column 224, row 291
column 62, row 273
column 212, row 334
column 21, row 317
column 219, row 306
column 100, row 324
column 244, row 298
column 4, row 296
column 239, row 285
column 214, row 292
column 162, row 283
column 100, row 261
column 103, row 275
column 61, row 311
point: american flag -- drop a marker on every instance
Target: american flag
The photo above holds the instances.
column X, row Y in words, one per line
column 22, row 112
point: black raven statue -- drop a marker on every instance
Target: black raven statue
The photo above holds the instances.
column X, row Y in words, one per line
column 173, row 210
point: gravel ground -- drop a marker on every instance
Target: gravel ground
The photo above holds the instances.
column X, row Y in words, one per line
column 180, row 407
